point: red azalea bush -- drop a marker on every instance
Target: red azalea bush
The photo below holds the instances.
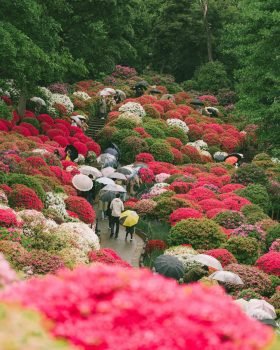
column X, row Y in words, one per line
column 218, row 170
column 208, row 204
column 83, row 312
column 31, row 128
column 231, row 188
column 209, row 98
column 81, row 148
column 184, row 213
column 107, row 256
column 93, row 146
column 7, row 218
column 177, row 156
column 43, row 262
column 81, row 207
column 61, row 140
column 195, row 131
column 201, row 193
column 235, row 202
column 142, row 132
column 175, row 142
column 22, row 130
column 7, row 189
column 25, row 197
column 144, row 157
column 155, row 245
column 214, row 212
column 145, row 206
column 270, row 263
column 180, row 187
column 36, row 161
column 223, row 255
column 192, row 153
column 146, row 175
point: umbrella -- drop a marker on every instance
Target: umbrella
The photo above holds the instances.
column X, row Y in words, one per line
column 112, row 91
column 107, row 171
column 242, row 303
column 126, row 170
column 212, row 111
column 239, row 156
column 167, row 97
column 104, row 93
column 231, row 160
column 196, row 102
column 112, row 151
column 129, row 218
column 105, row 181
column 90, row 170
column 142, row 83
column 226, row 277
column 106, row 159
column 83, row 117
column 82, row 182
column 169, row 266
column 207, row 260
column 76, row 119
column 114, row 188
column 220, row 156
column 155, row 91
column 256, row 304
column 116, row 147
column 106, row 196
column 73, row 152
column 121, row 94
column 118, row 176
column 259, row 314
column 140, row 165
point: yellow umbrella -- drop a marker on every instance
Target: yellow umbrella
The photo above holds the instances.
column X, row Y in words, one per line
column 129, row 218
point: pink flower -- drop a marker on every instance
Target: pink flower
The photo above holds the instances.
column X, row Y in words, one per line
column 270, row 263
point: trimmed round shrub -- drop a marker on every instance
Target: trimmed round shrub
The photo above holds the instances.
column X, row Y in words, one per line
column 174, row 142
column 131, row 146
column 182, row 214
column 43, row 262
column 257, row 194
column 166, row 205
column 151, row 111
column 252, row 278
column 270, row 263
column 272, row 235
column 253, row 213
column 223, row 255
column 120, row 135
column 124, row 123
column 15, row 253
column 200, row 233
column 248, row 294
column 253, row 231
column 81, row 207
column 230, row 219
column 249, row 174
column 245, row 249
column 144, row 157
column 25, row 198
column 154, row 131
column 105, row 135
column 161, row 152
column 174, row 131
column 275, row 300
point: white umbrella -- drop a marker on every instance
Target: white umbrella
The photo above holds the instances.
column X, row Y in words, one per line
column 107, row 171
column 90, row 170
column 104, row 93
column 76, row 119
column 106, row 159
column 112, row 91
column 126, row 170
column 208, row 260
column 257, row 304
column 117, row 176
column 105, row 181
column 80, row 116
column 227, row 277
column 114, row 188
column 259, row 314
column 121, row 94
column 242, row 303
column 82, row 182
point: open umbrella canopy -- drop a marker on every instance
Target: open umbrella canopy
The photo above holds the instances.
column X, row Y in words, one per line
column 105, row 181
column 220, row 156
column 106, row 159
column 112, row 151
column 167, row 97
column 242, row 303
column 126, row 170
column 239, row 156
column 231, row 160
column 226, row 277
column 129, row 218
column 90, row 170
column 82, row 182
column 121, row 94
column 107, row 171
column 155, row 91
column 104, row 93
column 112, row 91
column 196, row 102
column 256, row 304
column 118, row 176
column 76, row 119
column 142, row 83
column 169, row 266
column 106, row 196
column 207, row 260
column 114, row 188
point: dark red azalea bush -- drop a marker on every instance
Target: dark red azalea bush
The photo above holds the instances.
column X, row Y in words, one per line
column 82, row 208
column 223, row 255
column 155, row 245
column 270, row 263
column 7, row 218
column 25, row 197
column 109, row 307
column 107, row 256
column 81, row 148
column 174, row 142
column 146, row 175
column 180, row 187
column 184, row 213
column 192, row 153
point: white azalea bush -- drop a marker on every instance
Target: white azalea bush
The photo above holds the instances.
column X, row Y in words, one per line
column 38, row 100
column 200, row 145
column 133, row 107
column 180, row 250
column 55, row 201
column 178, row 123
column 63, row 100
column 161, row 177
column 82, row 95
column 131, row 116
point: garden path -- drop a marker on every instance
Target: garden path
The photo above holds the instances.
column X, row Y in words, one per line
column 129, row 251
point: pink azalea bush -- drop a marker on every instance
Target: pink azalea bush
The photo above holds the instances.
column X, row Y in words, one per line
column 270, row 263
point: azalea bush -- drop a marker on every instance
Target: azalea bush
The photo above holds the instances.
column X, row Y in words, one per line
column 24, row 197
column 253, row 231
column 245, row 249
column 131, row 146
column 161, row 151
column 253, row 213
column 248, row 294
column 165, row 206
column 249, row 174
column 230, row 219
column 82, row 208
column 223, row 255
column 270, row 263
column 200, row 233
column 183, row 213
column 145, row 206
column 257, row 194
column 107, row 256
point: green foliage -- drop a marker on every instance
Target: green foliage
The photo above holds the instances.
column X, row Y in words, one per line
column 105, row 135
column 253, row 213
column 131, row 146
column 174, row 131
column 272, row 234
column 166, row 205
column 5, row 113
column 230, row 219
column 154, row 131
column 249, row 174
column 275, row 281
column 245, row 249
column 124, row 123
column 121, row 134
column 248, row 294
column 33, row 122
column 257, row 194
column 161, row 152
column 200, row 233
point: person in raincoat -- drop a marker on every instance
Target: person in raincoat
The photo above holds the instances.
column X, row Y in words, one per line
column 117, row 208
column 102, row 107
column 129, row 230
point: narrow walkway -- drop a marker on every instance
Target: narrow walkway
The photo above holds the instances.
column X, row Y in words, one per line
column 129, row 251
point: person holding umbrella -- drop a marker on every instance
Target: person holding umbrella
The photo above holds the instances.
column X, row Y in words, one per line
column 117, row 207
column 129, row 220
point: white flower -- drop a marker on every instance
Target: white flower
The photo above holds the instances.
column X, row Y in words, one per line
column 161, row 177
column 56, row 202
column 178, row 123
column 46, row 92
column 275, row 160
column 63, row 100
column 134, row 108
column 38, row 100
column 131, row 116
column 180, row 250
column 206, row 154
column 81, row 95
column 200, row 145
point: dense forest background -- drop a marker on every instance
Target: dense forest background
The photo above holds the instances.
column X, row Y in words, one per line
column 207, row 45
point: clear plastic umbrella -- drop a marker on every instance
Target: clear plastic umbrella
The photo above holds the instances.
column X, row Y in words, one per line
column 76, row 119
column 259, row 314
column 256, row 304
column 126, row 170
column 105, row 181
column 226, row 277
column 107, row 92
column 114, row 188
column 117, row 176
column 107, row 171
column 207, row 260
column 106, row 159
column 242, row 303
column 82, row 182
column 90, row 170
column 104, row 93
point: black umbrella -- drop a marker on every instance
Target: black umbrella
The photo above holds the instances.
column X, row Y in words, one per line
column 155, row 91
column 169, row 266
column 73, row 152
column 239, row 156
column 112, row 151
column 196, row 102
column 107, row 196
column 142, row 83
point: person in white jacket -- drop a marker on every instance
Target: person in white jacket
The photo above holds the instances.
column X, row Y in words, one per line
column 117, row 208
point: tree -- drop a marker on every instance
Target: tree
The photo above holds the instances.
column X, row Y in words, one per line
column 254, row 42
column 204, row 4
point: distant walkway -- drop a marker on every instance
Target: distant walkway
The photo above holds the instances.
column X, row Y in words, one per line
column 129, row 251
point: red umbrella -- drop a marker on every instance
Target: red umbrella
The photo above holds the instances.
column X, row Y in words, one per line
column 231, row 160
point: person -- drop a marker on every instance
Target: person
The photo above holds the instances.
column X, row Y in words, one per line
column 129, row 230
column 91, row 193
column 109, row 215
column 68, row 155
column 103, row 108
column 56, row 152
column 117, row 208
column 117, row 97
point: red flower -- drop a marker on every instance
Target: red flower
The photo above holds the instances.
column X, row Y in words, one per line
column 7, row 189
column 173, row 114
column 270, row 263
column 7, row 100
column 81, row 148
column 146, row 175
column 36, row 161
column 214, row 212
column 22, row 130
column 223, row 255
column 93, row 146
column 201, row 193
column 52, row 133
column 61, row 140
column 208, row 204
column 144, row 157
column 31, row 128
column 107, row 256
column 24, row 197
column 174, row 142
column 211, row 138
column 7, row 218
column 231, row 188
column 184, row 213
column 45, row 118
column 155, row 244
column 141, row 131
column 180, row 187
column 82, row 208
column 178, row 156
column 192, row 153
column 209, row 98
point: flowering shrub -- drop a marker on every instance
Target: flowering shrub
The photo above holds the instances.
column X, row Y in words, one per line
column 248, row 294
column 223, row 255
column 201, row 193
column 161, row 152
column 144, row 157
column 256, row 194
column 275, row 246
column 183, row 213
column 179, row 133
column 82, row 208
column 209, row 98
column 253, row 213
column 275, row 300
column 142, row 132
column 184, row 249
column 107, row 256
column 7, row 218
column 151, row 111
column 145, row 206
column 200, row 233
column 146, row 175
column 252, row 278
column 249, row 174
column 155, row 245
column 124, row 72
column 58, row 295
column 162, row 177
column 231, row 188
column 7, row 275
column 133, row 107
column 178, row 123
column 24, row 197
column 165, row 206
column 174, row 142
column 180, row 187
column 63, row 100
column 245, row 249
column 15, row 253
column 270, row 263
column 249, row 231
column 229, row 219
column 192, row 153
column 43, row 262
column 208, row 204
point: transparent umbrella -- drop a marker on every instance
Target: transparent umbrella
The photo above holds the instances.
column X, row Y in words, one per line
column 226, row 277
column 106, row 159
column 118, row 176
column 256, row 304
column 107, row 171
column 207, row 260
column 82, row 182
column 90, row 170
column 114, row 188
column 105, row 181
column 126, row 170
